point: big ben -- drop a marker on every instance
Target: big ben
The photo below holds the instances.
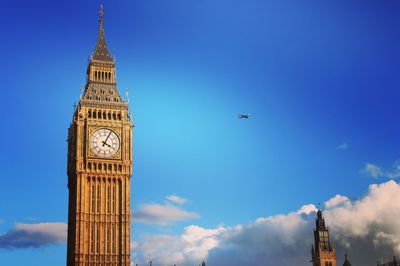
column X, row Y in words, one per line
column 99, row 168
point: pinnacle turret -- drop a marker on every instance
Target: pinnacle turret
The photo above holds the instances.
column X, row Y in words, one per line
column 346, row 260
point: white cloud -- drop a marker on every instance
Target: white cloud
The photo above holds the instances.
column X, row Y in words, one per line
column 337, row 201
column 372, row 170
column 162, row 214
column 395, row 173
column 186, row 249
column 343, row 146
column 376, row 212
column 376, row 171
column 230, row 245
column 34, row 235
column 370, row 227
column 176, row 199
column 307, row 209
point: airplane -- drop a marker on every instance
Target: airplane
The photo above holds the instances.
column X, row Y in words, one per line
column 246, row 116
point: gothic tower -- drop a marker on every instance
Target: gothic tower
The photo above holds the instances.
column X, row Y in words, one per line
column 99, row 168
column 323, row 251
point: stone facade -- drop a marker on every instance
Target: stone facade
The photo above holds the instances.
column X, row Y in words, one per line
column 99, row 168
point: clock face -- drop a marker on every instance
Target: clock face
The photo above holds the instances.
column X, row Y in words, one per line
column 104, row 143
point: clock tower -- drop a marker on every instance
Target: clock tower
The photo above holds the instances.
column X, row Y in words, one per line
column 323, row 251
column 99, row 168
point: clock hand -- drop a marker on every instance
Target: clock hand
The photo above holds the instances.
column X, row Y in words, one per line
column 105, row 142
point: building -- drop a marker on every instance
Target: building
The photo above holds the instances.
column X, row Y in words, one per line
column 323, row 251
column 99, row 168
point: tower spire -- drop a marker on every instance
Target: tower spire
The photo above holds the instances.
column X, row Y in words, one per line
column 101, row 15
column 101, row 52
column 346, row 260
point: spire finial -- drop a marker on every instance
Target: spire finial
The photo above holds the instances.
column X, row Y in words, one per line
column 101, row 15
column 127, row 95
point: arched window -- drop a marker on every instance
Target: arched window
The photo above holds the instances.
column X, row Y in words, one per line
column 119, row 116
column 93, row 193
column 109, row 168
column 115, row 168
column 99, row 114
column 92, row 236
column 109, row 116
column 119, row 168
column 90, row 113
column 90, row 166
column 108, row 239
column 94, row 114
column 98, row 239
column 114, row 116
column 94, row 167
column 105, row 167
column 108, row 199
column 113, row 199
column 98, row 198
column 99, row 167
column 104, row 115
column 113, row 238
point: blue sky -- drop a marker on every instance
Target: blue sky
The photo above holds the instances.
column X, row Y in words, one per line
column 320, row 78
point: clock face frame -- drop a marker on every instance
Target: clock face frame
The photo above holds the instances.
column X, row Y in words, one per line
column 104, row 143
